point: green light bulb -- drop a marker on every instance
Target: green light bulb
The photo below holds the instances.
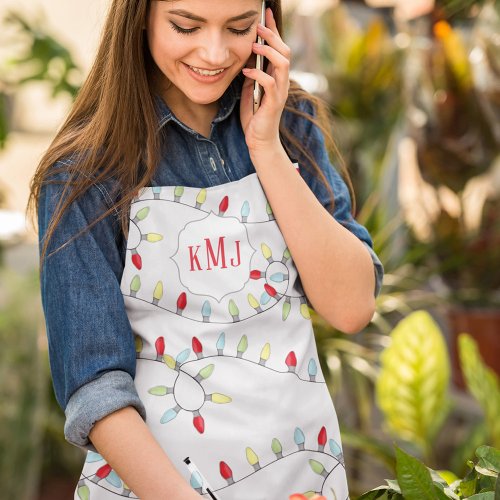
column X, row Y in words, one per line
column 142, row 213
column 136, row 284
column 316, row 466
column 276, row 446
column 243, row 344
column 233, row 308
column 207, row 371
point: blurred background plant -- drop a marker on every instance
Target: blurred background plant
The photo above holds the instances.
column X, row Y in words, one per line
column 44, row 59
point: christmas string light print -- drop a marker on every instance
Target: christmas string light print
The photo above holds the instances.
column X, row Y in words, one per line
column 186, row 384
column 316, row 465
column 136, row 237
column 106, row 477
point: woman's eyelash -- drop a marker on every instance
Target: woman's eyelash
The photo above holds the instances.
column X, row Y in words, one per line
column 192, row 30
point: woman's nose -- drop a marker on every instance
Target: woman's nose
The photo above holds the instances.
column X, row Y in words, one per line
column 215, row 51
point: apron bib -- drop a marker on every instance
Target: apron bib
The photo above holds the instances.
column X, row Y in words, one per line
column 227, row 365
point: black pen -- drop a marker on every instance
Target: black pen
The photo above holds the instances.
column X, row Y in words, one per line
column 192, row 467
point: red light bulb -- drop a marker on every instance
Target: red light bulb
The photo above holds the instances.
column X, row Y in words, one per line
column 223, row 205
column 225, row 471
column 322, row 436
column 103, row 471
column 270, row 290
column 199, row 424
column 197, row 347
column 137, row 261
column 160, row 346
column 256, row 274
column 182, row 301
column 291, row 360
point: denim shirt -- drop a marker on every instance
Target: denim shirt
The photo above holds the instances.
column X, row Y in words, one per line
column 91, row 343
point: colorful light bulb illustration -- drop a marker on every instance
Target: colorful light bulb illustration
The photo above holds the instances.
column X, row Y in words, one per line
column 291, row 362
column 221, row 342
column 245, row 211
column 322, row 439
column 223, row 206
column 197, row 347
column 178, row 192
column 201, row 198
column 277, row 448
column 252, row 458
column 312, row 369
column 286, row 309
column 206, row 311
column 226, row 472
column 242, row 346
column 160, row 348
column 265, row 353
column 158, row 293
column 233, row 310
column 181, row 303
column 135, row 285
column 298, row 437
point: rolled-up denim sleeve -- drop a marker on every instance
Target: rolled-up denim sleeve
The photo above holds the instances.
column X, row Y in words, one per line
column 90, row 340
column 312, row 137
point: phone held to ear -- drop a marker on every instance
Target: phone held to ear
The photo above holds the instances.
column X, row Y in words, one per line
column 259, row 64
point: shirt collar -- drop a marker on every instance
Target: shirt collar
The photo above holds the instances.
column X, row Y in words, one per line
column 227, row 103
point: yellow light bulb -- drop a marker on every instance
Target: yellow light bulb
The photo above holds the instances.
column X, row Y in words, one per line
column 158, row 293
column 202, row 196
column 251, row 456
column 266, row 352
column 266, row 251
column 220, row 398
column 154, row 237
column 304, row 310
column 253, row 301
column 169, row 361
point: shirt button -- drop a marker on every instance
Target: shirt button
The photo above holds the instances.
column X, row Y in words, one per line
column 212, row 162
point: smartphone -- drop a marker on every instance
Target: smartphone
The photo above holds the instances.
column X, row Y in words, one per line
column 259, row 63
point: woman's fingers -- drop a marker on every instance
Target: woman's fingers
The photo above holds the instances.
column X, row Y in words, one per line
column 271, row 35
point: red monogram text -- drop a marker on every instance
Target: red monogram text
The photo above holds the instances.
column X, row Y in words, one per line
column 211, row 259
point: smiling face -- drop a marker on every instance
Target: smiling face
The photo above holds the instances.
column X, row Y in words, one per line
column 200, row 45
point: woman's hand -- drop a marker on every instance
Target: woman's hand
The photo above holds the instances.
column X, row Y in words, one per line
column 262, row 129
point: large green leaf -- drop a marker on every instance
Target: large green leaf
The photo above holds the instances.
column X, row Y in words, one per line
column 412, row 386
column 483, row 384
column 489, row 458
column 414, row 478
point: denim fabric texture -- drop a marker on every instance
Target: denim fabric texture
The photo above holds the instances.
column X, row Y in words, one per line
column 91, row 344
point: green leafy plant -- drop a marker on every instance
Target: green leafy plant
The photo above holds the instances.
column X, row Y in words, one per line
column 413, row 381
column 415, row 481
column 483, row 384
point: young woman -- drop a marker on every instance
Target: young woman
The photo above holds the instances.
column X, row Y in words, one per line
column 180, row 247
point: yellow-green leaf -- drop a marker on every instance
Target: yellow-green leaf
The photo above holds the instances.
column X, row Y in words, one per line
column 413, row 381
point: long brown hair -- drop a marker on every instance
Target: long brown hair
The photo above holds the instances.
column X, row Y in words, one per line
column 112, row 128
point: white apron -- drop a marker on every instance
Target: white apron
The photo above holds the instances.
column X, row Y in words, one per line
column 227, row 365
